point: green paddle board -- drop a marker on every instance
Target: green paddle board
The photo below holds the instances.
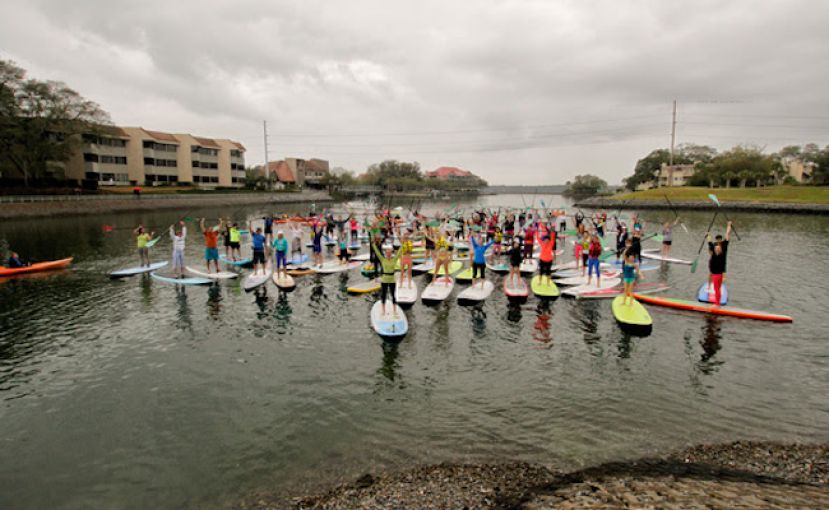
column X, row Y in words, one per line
column 631, row 314
column 454, row 267
column 465, row 275
column 543, row 289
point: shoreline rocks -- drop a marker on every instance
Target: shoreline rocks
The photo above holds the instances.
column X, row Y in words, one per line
column 740, row 474
column 770, row 207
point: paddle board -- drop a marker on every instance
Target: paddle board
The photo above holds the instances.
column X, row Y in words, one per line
column 476, row 293
column 424, row 267
column 406, row 295
column 606, row 283
column 297, row 259
column 255, row 280
column 529, row 266
column 392, row 325
column 238, row 263
column 543, row 289
column 284, row 282
column 132, row 271
column 438, row 290
column 642, row 288
column 500, row 268
column 464, row 276
column 221, row 275
column 693, row 306
column 582, row 280
column 300, row 271
column 364, row 287
column 454, row 267
column 334, row 266
column 182, row 281
column 706, row 293
column 516, row 289
column 631, row 313
column 361, row 257
column 656, row 255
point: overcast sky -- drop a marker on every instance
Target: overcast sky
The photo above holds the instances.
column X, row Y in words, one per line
column 530, row 92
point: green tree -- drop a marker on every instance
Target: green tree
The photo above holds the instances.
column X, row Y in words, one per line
column 585, row 186
column 41, row 122
column 379, row 174
column 647, row 168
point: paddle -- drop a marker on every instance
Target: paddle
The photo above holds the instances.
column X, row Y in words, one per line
column 714, row 199
column 702, row 244
column 676, row 214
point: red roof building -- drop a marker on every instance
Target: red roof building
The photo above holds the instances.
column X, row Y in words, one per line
column 449, row 172
column 282, row 171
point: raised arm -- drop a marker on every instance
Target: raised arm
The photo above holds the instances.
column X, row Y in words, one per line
column 728, row 232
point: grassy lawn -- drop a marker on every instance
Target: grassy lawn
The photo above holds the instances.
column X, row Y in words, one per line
column 786, row 194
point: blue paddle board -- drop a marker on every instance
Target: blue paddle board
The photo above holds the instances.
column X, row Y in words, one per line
column 132, row 271
column 706, row 294
column 238, row 263
column 191, row 280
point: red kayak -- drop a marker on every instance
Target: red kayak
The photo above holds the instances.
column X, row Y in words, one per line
column 695, row 306
column 35, row 268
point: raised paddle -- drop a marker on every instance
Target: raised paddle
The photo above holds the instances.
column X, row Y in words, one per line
column 676, row 214
column 710, row 226
column 714, row 199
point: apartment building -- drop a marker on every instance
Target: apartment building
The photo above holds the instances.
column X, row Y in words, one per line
column 675, row 175
column 134, row 155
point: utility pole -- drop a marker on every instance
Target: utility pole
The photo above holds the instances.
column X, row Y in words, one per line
column 265, row 133
column 673, row 134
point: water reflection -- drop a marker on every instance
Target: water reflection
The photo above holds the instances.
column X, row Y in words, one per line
column 261, row 300
column 541, row 329
column 477, row 319
column 710, row 345
column 214, row 301
column 514, row 312
column 184, row 321
column 390, row 365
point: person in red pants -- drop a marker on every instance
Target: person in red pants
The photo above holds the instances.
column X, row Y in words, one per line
column 717, row 263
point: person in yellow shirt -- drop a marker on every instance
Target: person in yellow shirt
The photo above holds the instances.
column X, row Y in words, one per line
column 141, row 240
column 406, row 250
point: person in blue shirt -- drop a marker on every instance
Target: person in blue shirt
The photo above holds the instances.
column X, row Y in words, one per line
column 268, row 228
column 14, row 261
column 478, row 255
column 258, row 248
column 280, row 251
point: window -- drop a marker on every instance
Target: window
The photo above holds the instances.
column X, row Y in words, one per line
column 195, row 164
column 91, row 175
column 162, row 147
column 91, row 158
column 235, row 153
column 148, row 144
column 149, row 161
column 114, row 160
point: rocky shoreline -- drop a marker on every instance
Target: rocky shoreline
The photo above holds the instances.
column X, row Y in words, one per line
column 744, row 474
column 763, row 207
column 78, row 207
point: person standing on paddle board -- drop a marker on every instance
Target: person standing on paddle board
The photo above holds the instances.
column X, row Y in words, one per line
column 343, row 254
column 478, row 258
column 268, row 228
column 529, row 241
column 594, row 249
column 387, row 280
column 582, row 246
column 668, row 237
column 630, row 270
column 636, row 244
column 406, row 250
column 515, row 258
column 296, row 241
column 622, row 238
column 316, row 237
column 235, row 241
column 280, row 253
column 258, row 239
column 547, row 255
column 442, row 256
column 211, row 244
column 717, row 263
column 178, row 247
column 498, row 239
column 141, row 240
column 352, row 223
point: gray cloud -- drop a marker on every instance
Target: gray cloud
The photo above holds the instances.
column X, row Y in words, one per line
column 534, row 91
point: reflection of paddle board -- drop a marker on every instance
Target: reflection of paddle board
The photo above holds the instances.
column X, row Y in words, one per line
column 706, row 293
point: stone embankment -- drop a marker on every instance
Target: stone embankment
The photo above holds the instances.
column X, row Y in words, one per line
column 68, row 206
column 736, row 475
column 762, row 207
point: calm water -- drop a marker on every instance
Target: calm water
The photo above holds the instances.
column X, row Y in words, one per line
column 133, row 394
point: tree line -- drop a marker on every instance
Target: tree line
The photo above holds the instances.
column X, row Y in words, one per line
column 742, row 165
column 41, row 123
column 393, row 175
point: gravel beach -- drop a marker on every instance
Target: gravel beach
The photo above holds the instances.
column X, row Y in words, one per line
column 738, row 475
